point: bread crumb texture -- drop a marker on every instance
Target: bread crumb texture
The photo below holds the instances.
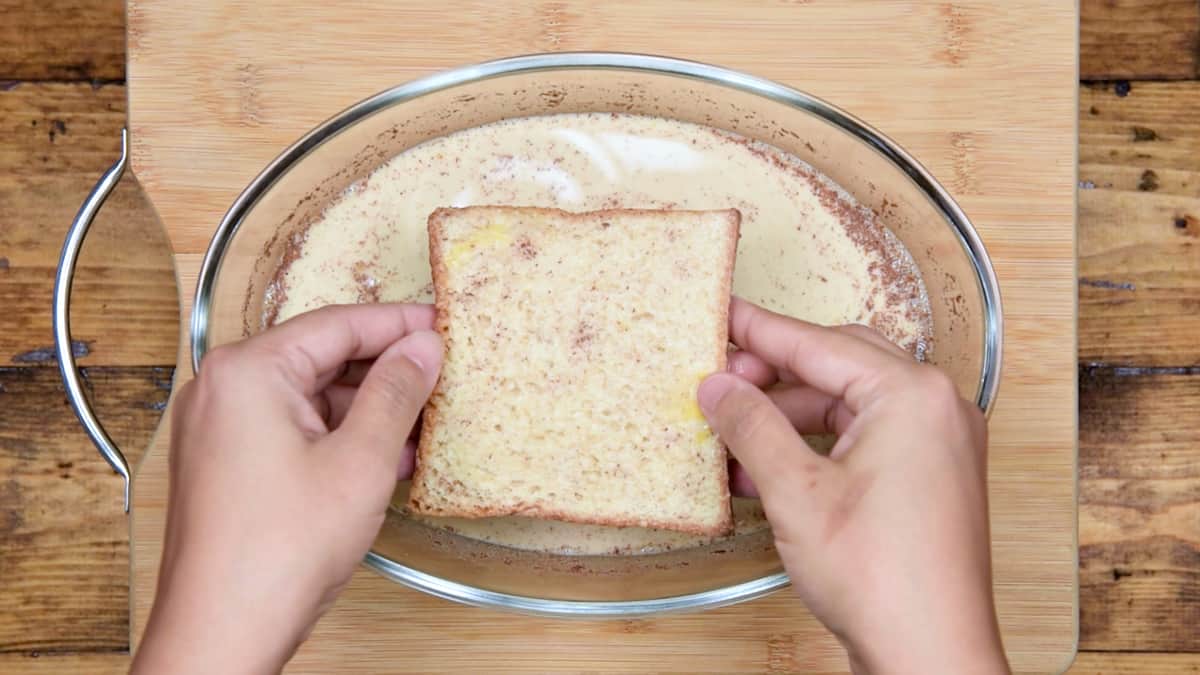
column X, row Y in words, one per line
column 574, row 347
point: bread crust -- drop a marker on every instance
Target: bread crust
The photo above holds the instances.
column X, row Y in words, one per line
column 418, row 496
column 430, row 417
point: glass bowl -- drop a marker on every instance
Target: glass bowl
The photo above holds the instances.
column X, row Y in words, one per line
column 251, row 240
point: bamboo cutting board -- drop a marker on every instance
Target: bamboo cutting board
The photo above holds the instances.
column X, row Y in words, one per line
column 982, row 92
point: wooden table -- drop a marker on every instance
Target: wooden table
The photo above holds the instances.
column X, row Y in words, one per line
column 64, row 542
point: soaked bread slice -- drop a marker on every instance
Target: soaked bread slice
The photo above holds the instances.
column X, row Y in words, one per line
column 574, row 347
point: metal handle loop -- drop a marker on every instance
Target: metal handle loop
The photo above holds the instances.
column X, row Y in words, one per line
column 62, row 316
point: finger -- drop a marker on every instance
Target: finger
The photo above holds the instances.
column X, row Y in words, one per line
column 408, row 459
column 756, row 371
column 392, row 395
column 759, row 436
column 811, row 411
column 739, row 481
column 338, row 398
column 831, row 361
column 355, row 372
column 868, row 334
column 316, row 343
column 751, row 369
column 350, row 373
column 335, row 401
column 320, row 404
column 415, row 434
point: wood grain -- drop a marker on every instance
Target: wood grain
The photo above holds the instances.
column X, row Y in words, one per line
column 1139, row 520
column 1139, row 224
column 59, row 138
column 200, row 133
column 1135, row 663
column 65, row 559
column 65, row 663
column 62, row 40
column 1086, row 663
column 57, row 128
column 251, row 100
column 1139, row 305
column 1147, row 39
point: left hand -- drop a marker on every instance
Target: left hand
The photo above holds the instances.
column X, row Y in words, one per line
column 285, row 450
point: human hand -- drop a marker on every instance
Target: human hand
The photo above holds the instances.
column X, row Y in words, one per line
column 285, row 450
column 886, row 539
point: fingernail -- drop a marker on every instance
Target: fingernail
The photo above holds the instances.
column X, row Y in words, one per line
column 713, row 389
column 424, row 348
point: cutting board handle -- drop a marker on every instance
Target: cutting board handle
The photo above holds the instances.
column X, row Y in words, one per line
column 63, row 279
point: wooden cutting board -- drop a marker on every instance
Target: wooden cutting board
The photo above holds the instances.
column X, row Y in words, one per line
column 982, row 92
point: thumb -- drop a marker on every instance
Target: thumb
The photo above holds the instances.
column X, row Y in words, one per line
column 387, row 403
column 761, row 438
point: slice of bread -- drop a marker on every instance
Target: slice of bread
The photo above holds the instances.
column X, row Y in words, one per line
column 574, row 347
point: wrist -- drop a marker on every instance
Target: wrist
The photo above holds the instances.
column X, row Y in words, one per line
column 183, row 648
column 980, row 663
column 191, row 630
column 965, row 648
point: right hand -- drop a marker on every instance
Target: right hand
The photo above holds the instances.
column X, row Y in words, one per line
column 886, row 539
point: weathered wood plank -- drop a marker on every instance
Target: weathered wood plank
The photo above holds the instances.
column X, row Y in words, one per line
column 1139, row 520
column 62, row 39
column 1135, row 663
column 65, row 558
column 58, row 139
column 125, row 306
column 1138, row 39
column 1139, row 224
column 58, row 128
